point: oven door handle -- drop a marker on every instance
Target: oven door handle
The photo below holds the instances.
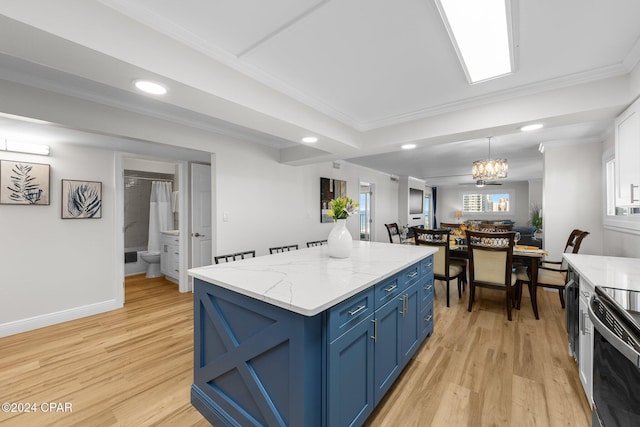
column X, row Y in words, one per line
column 624, row 349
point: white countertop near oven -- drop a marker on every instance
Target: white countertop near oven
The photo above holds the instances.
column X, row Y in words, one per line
column 308, row 281
column 613, row 272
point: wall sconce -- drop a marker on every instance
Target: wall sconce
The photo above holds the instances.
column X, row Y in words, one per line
column 25, row 147
column 458, row 215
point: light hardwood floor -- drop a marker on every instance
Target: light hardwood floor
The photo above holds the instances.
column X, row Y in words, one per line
column 133, row 367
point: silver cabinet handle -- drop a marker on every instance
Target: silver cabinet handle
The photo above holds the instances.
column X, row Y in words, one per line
column 632, row 199
column 357, row 310
column 428, row 318
column 374, row 337
column 391, row 288
column 405, row 304
column 401, row 299
column 426, row 288
column 412, row 275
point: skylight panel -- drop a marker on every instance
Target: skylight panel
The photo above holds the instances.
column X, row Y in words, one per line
column 481, row 34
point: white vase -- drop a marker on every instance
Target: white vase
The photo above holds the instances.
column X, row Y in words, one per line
column 339, row 240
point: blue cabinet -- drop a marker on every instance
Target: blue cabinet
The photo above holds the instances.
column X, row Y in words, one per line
column 349, row 398
column 258, row 364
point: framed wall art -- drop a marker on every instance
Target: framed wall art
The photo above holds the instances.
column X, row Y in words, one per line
column 330, row 189
column 81, row 199
column 24, row 183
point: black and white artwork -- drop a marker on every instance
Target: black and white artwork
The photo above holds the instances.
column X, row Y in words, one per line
column 23, row 183
column 81, row 199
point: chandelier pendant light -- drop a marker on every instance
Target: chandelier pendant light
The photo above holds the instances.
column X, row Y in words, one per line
column 490, row 168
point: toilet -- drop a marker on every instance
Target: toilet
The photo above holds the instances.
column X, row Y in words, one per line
column 152, row 258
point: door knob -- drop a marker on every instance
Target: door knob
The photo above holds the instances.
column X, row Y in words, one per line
column 198, row 235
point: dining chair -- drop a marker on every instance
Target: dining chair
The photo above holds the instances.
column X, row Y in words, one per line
column 553, row 274
column 234, row 257
column 280, row 249
column 316, row 243
column 394, row 232
column 504, row 227
column 444, row 268
column 450, row 226
column 490, row 264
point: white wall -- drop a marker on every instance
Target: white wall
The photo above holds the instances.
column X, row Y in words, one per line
column 52, row 269
column 271, row 204
column 572, row 196
column 450, row 200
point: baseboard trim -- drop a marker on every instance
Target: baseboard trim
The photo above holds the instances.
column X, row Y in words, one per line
column 36, row 322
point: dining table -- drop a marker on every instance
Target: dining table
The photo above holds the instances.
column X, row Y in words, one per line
column 528, row 256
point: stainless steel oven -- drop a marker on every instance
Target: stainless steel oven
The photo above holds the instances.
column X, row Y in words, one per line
column 615, row 314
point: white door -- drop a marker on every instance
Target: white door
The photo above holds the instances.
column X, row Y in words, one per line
column 201, row 227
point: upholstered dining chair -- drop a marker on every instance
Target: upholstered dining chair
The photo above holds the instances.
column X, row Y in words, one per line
column 553, row 274
column 234, row 257
column 450, row 226
column 490, row 264
column 394, row 232
column 316, row 243
column 443, row 267
column 280, row 249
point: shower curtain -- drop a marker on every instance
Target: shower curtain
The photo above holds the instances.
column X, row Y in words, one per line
column 160, row 216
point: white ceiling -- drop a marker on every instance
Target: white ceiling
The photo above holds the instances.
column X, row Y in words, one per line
column 364, row 76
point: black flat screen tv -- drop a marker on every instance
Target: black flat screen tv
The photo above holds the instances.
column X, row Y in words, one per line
column 416, row 201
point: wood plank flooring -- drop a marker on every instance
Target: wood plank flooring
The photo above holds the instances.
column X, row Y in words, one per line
column 133, row 367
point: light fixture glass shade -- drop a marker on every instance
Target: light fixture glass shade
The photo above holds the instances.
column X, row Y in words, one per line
column 27, row 147
column 490, row 169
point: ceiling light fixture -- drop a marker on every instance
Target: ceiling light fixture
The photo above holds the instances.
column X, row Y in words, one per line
column 149, row 87
column 27, row 147
column 534, row 126
column 490, row 168
column 482, row 36
column 408, row 146
column 309, row 139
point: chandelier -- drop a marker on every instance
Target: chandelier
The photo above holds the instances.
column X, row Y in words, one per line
column 490, row 168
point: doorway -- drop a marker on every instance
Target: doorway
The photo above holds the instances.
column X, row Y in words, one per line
column 366, row 216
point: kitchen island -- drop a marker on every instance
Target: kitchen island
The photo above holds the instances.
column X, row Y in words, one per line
column 302, row 339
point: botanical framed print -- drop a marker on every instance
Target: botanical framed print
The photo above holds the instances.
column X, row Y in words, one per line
column 24, row 183
column 81, row 199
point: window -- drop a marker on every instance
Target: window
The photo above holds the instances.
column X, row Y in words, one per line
column 487, row 202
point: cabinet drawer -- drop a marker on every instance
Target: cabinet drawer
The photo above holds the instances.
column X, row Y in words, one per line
column 426, row 292
column 349, row 313
column 409, row 276
column 387, row 290
column 426, row 266
column 426, row 320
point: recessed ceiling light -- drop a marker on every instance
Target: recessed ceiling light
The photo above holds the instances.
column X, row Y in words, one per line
column 408, row 146
column 150, row 87
column 309, row 139
column 531, row 127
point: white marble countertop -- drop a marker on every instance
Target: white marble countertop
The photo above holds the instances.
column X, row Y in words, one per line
column 308, row 281
column 613, row 272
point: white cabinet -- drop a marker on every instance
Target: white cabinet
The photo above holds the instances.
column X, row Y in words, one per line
column 585, row 342
column 170, row 256
column 627, row 142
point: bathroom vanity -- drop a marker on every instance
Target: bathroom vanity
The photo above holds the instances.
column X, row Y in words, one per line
column 170, row 254
column 302, row 339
